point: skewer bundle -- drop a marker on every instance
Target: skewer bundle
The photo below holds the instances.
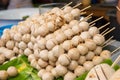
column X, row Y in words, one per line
column 56, row 43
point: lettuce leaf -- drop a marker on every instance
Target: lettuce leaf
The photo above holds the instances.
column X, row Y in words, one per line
column 25, row 71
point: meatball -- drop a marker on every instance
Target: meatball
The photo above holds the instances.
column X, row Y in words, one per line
column 12, row 71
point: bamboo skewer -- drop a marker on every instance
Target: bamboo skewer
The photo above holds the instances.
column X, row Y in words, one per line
column 77, row 5
column 105, row 31
column 82, row 13
column 115, row 50
column 87, row 17
column 109, row 31
column 104, row 25
column 116, row 61
column 107, row 41
column 92, row 25
column 96, row 20
column 66, row 5
column 85, row 8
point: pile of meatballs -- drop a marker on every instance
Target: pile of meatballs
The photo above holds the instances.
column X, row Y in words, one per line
column 56, row 43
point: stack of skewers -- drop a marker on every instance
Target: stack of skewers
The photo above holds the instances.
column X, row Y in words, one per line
column 57, row 43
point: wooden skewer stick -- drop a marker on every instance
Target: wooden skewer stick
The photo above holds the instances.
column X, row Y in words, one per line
column 96, row 20
column 87, row 17
column 104, row 25
column 66, row 5
column 109, row 31
column 115, row 50
column 82, row 13
column 109, row 43
column 92, row 25
column 116, row 61
column 105, row 31
column 77, row 5
column 85, row 8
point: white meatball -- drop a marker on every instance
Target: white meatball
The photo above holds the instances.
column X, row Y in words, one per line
column 51, row 26
column 35, row 46
column 88, row 65
column 74, row 54
column 64, row 60
column 31, row 57
column 41, row 43
column 69, row 33
column 21, row 51
column 26, row 38
column 18, row 37
column 22, row 45
column 51, row 56
column 97, row 60
column 82, row 60
column 33, row 63
column 85, row 35
column 76, row 40
column 73, row 22
column 83, row 49
column 79, row 70
column 49, row 68
column 23, row 29
column 57, row 51
column 10, row 44
column 54, row 73
column 60, row 37
column 67, row 9
column 51, row 43
column 98, row 50
column 61, row 70
column 43, row 30
column 67, row 45
column 12, row 71
column 84, row 25
column 98, row 39
column 69, row 76
column 50, row 36
column 16, row 50
column 44, row 55
column 75, row 12
column 93, row 31
column 76, row 29
column 90, row 44
column 105, row 54
column 30, row 45
column 47, row 76
column 65, row 27
column 72, row 66
column 90, row 55
column 33, row 40
column 2, row 58
column 5, row 37
column 42, row 63
column 68, row 17
column 27, row 51
column 41, row 72
column 36, row 53
column 57, row 32
column 3, row 75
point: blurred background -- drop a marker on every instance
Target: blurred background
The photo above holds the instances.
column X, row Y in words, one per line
column 100, row 8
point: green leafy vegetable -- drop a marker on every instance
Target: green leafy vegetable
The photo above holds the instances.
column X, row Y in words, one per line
column 25, row 71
